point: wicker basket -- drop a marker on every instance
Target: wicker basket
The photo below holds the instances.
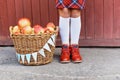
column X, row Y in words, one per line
column 34, row 49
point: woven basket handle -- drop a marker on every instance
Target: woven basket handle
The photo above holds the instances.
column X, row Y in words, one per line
column 57, row 30
column 10, row 30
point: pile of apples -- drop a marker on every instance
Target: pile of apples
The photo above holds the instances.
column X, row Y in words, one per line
column 24, row 27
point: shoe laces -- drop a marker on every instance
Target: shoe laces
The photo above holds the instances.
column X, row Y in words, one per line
column 65, row 50
column 75, row 49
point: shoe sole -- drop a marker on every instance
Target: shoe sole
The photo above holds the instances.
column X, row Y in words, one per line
column 65, row 61
column 77, row 61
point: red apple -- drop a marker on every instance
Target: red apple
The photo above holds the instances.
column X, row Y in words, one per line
column 17, row 33
column 32, row 33
column 47, row 30
column 51, row 26
column 16, row 30
column 24, row 22
column 38, row 29
column 26, row 30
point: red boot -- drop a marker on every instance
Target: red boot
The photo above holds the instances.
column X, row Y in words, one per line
column 75, row 54
column 65, row 54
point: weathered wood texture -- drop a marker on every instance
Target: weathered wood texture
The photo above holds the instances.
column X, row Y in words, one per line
column 100, row 19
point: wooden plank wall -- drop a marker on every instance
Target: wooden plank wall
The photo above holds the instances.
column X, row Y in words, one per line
column 100, row 19
column 38, row 11
column 101, row 23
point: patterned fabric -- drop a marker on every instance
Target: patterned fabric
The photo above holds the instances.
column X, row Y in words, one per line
column 76, row 4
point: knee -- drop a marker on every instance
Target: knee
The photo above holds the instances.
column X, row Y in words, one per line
column 75, row 13
column 64, row 13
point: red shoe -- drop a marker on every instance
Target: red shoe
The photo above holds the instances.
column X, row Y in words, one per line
column 65, row 54
column 75, row 54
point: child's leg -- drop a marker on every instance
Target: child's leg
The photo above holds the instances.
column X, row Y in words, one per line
column 75, row 33
column 75, row 26
column 64, row 20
